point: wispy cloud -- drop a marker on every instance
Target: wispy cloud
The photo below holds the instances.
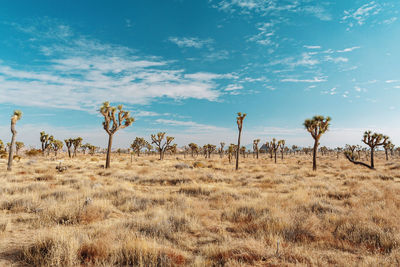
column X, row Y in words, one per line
column 360, row 15
column 80, row 73
column 312, row 46
column 193, row 42
column 314, row 80
column 350, row 49
column 190, row 125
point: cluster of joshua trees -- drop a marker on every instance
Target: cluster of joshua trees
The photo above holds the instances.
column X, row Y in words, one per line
column 115, row 118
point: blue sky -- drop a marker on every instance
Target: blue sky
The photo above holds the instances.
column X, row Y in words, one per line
column 186, row 67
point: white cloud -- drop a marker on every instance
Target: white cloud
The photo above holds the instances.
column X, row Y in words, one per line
column 234, row 87
column 190, row 125
column 81, row 73
column 390, row 21
column 190, row 42
column 392, row 81
column 348, row 49
column 312, row 46
column 314, row 80
column 360, row 15
column 336, row 59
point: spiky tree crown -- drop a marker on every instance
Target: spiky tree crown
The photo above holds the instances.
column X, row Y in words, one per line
column 374, row 139
column 239, row 119
column 44, row 138
column 17, row 115
column 389, row 145
column 317, row 126
column 119, row 121
column 58, row 144
column 19, row 144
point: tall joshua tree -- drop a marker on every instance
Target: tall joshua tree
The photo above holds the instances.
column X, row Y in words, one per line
column 158, row 141
column 68, row 143
column 316, row 126
column 373, row 141
column 255, row 147
column 239, row 120
column 57, row 145
column 77, row 142
column 18, row 146
column 113, row 122
column 14, row 118
column 46, row 141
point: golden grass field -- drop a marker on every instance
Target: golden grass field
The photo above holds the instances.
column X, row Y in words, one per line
column 150, row 213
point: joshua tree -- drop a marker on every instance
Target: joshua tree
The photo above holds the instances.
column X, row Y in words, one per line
column 221, row 150
column 68, row 143
column 282, row 147
column 275, row 145
column 57, row 145
column 209, row 149
column 294, row 149
column 84, row 148
column 231, row 151
column 350, row 148
column 372, row 140
column 158, row 141
column 149, row 147
column 269, row 148
column 46, row 141
column 112, row 123
column 239, row 120
column 138, row 144
column 18, row 146
column 77, row 142
column 255, row 147
column 92, row 149
column 14, row 118
column 388, row 147
column 316, row 126
column 173, row 149
column 338, row 150
column 194, row 149
column 243, row 150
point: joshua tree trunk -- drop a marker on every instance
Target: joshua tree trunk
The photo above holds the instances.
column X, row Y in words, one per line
column 372, row 157
column 69, row 152
column 238, row 150
column 110, row 136
column 282, row 155
column 275, row 155
column 386, row 153
column 11, row 149
column 314, row 162
column 257, row 153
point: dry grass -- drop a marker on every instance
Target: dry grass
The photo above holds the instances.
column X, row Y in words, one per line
column 196, row 212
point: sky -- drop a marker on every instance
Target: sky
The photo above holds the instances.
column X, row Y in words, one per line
column 186, row 67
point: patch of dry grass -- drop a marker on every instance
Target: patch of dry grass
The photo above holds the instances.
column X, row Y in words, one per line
column 199, row 212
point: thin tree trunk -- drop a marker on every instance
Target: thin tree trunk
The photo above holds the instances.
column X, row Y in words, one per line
column 108, row 158
column 372, row 157
column 11, row 152
column 238, row 150
column 315, row 155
